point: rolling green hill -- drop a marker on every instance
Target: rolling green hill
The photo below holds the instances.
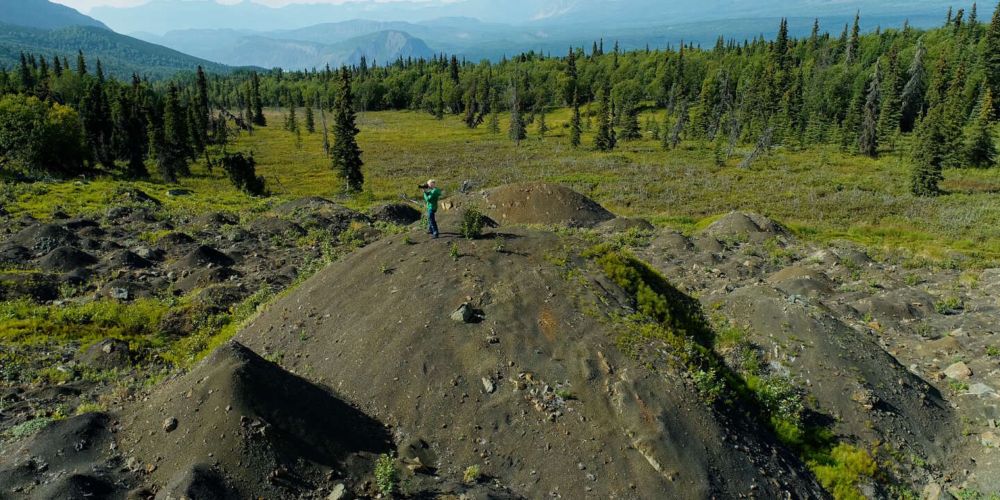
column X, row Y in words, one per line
column 120, row 55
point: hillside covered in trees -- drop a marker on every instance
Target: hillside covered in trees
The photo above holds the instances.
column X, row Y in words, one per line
column 928, row 91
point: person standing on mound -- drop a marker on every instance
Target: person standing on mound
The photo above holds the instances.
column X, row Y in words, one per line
column 431, row 196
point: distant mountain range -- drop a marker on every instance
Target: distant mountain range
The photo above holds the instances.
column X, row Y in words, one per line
column 294, row 50
column 591, row 17
column 48, row 29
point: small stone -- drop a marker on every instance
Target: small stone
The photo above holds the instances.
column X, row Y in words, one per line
column 980, row 389
column 339, row 492
column 488, row 385
column 170, row 424
column 990, row 439
column 463, row 314
column 958, row 371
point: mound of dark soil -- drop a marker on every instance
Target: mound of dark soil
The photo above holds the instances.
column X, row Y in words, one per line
column 625, row 224
column 71, row 459
column 267, row 432
column 43, row 238
column 267, row 227
column 535, row 392
column 14, row 254
column 320, row 213
column 397, row 213
column 175, row 243
column 107, row 354
column 743, row 225
column 66, row 259
column 125, row 259
column 203, row 256
column 535, row 203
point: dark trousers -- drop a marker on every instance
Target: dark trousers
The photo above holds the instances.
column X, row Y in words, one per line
column 432, row 225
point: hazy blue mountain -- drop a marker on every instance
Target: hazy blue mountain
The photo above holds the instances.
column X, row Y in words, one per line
column 119, row 54
column 297, row 51
column 161, row 16
column 43, row 14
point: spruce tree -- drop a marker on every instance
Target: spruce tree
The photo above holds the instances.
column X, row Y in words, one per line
column 95, row 114
column 980, row 148
column 630, row 122
column 202, row 112
column 310, row 120
column 991, row 57
column 892, row 107
column 543, row 128
column 345, row 151
column 868, row 138
column 170, row 138
column 439, row 100
column 570, row 92
column 851, row 52
column 928, row 156
column 81, row 64
column 912, row 100
column 516, row 132
column 574, row 125
column 256, row 104
column 291, row 120
column 605, row 139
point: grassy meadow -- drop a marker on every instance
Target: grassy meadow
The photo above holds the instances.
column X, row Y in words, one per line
column 821, row 193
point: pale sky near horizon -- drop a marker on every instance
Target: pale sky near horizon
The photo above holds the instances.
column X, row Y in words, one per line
column 86, row 5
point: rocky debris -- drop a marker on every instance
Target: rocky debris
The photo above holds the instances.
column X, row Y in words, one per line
column 402, row 214
column 107, row 354
column 13, row 254
column 958, row 371
column 320, row 213
column 69, row 458
column 44, row 238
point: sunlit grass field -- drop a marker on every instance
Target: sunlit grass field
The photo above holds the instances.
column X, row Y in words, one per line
column 822, row 193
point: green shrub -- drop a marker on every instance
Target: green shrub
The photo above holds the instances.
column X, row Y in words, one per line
column 29, row 428
column 242, row 172
column 473, row 222
column 386, row 475
column 472, row 474
column 845, row 468
column 37, row 137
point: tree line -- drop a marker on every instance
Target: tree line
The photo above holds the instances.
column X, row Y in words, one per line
column 928, row 92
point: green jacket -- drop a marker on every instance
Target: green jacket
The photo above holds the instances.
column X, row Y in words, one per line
column 431, row 197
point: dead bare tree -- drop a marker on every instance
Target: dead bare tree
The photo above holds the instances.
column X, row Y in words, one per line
column 763, row 145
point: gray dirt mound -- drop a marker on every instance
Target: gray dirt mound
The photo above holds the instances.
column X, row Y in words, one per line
column 625, row 224
column 125, row 259
column 536, row 203
column 743, row 225
column 175, row 243
column 43, row 238
column 397, row 213
column 71, row 458
column 319, row 213
column 203, row 256
column 65, row 259
column 268, row 433
column 529, row 385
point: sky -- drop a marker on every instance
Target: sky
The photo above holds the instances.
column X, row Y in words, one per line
column 86, row 5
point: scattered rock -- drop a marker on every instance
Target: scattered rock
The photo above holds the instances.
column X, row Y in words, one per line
column 990, row 439
column 958, row 371
column 170, row 424
column 463, row 314
column 339, row 492
column 488, row 385
column 108, row 354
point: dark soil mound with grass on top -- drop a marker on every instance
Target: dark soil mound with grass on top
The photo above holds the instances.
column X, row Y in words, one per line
column 535, row 203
